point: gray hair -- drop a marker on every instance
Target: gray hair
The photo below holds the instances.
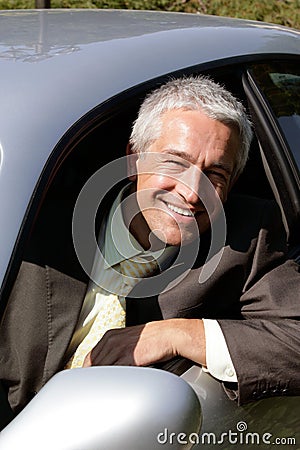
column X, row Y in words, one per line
column 191, row 93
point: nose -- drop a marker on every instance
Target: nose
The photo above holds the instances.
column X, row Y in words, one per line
column 188, row 186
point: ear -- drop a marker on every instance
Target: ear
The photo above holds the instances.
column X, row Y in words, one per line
column 131, row 163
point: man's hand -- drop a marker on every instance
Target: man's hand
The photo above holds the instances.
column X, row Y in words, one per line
column 143, row 345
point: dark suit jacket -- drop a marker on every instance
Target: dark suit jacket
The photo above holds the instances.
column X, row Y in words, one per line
column 253, row 293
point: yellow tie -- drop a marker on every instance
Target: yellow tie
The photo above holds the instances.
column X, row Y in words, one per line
column 112, row 307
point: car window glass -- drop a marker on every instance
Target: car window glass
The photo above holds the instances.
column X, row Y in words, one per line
column 280, row 83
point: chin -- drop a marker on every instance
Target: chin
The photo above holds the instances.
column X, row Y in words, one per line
column 174, row 243
column 182, row 240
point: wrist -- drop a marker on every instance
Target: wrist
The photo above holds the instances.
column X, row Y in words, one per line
column 188, row 339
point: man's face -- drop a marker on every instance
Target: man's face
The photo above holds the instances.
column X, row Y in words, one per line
column 171, row 185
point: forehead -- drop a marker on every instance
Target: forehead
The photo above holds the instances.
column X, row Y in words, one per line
column 185, row 128
column 195, row 124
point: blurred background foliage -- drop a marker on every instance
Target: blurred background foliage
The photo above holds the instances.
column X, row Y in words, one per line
column 283, row 12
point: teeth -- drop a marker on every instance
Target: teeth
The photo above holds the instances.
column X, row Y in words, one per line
column 183, row 212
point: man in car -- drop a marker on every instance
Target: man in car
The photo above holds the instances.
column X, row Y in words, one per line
column 164, row 283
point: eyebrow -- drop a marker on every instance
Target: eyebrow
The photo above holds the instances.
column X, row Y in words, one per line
column 226, row 167
column 218, row 165
column 180, row 154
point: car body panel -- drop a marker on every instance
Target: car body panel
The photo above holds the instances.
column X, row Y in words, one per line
column 57, row 72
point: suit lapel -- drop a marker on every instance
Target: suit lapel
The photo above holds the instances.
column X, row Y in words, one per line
column 65, row 295
column 64, row 299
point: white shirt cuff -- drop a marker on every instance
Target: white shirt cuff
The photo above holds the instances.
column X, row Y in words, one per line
column 218, row 360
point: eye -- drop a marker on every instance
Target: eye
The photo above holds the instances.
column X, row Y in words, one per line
column 175, row 162
column 171, row 165
column 215, row 175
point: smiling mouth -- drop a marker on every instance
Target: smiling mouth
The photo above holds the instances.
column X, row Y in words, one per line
column 181, row 211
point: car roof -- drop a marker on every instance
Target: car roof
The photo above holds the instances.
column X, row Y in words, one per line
column 57, row 65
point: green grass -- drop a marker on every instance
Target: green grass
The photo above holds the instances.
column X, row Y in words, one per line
column 283, row 12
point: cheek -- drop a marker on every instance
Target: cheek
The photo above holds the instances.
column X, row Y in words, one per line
column 203, row 223
column 218, row 191
column 153, row 181
column 222, row 193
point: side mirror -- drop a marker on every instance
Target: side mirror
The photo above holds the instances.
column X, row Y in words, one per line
column 110, row 408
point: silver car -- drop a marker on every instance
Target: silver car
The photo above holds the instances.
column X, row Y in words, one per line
column 71, row 85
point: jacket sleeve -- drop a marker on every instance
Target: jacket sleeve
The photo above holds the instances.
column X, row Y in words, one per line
column 265, row 344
